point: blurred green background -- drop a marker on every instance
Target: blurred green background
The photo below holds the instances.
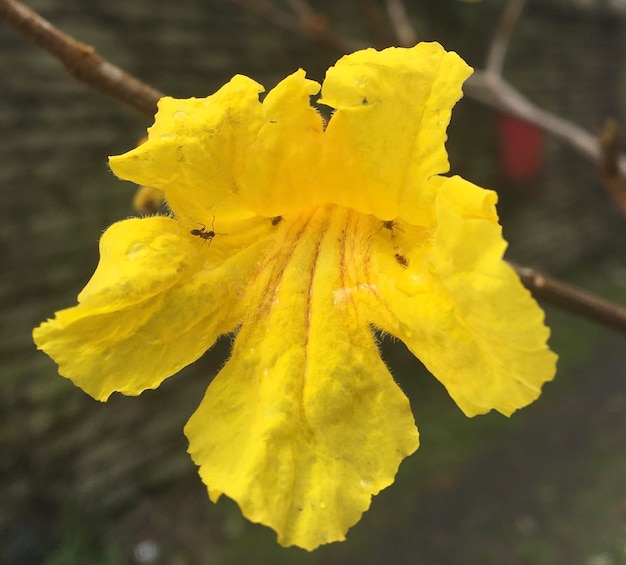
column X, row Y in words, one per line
column 89, row 483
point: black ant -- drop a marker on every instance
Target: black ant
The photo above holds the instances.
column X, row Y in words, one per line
column 207, row 235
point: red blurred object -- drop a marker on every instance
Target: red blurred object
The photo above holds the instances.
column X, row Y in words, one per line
column 521, row 149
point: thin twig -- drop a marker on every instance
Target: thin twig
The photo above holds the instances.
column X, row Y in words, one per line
column 302, row 8
column 502, row 37
column 314, row 23
column 80, row 60
column 492, row 90
column 322, row 34
column 610, row 141
column 267, row 10
column 573, row 299
column 376, row 23
column 405, row 33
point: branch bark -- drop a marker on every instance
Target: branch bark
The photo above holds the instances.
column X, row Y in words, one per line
column 405, row 33
column 572, row 299
column 322, row 34
column 502, row 37
column 610, row 141
column 80, row 60
column 491, row 90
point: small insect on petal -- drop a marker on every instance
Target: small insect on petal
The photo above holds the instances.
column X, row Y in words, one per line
column 205, row 234
column 402, row 260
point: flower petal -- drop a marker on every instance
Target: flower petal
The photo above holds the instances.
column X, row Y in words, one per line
column 461, row 309
column 387, row 137
column 149, row 310
column 304, row 423
column 282, row 177
column 196, row 148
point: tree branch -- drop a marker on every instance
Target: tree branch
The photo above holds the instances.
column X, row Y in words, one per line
column 502, row 37
column 489, row 88
column 610, row 141
column 493, row 91
column 405, row 33
column 573, row 299
column 80, row 60
column 323, row 34
column 302, row 8
column 376, row 23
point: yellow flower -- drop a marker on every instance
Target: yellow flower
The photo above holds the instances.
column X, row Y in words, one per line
column 301, row 237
